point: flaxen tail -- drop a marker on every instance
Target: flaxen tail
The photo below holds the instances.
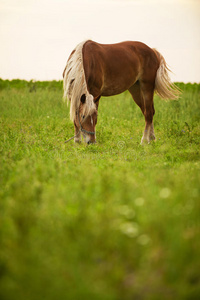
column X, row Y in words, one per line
column 163, row 85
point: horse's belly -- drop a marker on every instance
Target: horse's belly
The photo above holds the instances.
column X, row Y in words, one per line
column 113, row 90
column 118, row 83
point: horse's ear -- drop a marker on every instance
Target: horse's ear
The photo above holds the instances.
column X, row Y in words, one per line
column 83, row 98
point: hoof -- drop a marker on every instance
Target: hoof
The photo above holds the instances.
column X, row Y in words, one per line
column 147, row 140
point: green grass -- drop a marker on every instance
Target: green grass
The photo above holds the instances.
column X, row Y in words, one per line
column 110, row 221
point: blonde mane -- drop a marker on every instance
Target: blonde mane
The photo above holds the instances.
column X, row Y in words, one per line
column 74, row 84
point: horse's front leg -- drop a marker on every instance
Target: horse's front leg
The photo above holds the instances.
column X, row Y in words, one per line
column 77, row 138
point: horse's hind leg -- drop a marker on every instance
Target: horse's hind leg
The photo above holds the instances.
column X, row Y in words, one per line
column 136, row 94
column 147, row 90
column 143, row 96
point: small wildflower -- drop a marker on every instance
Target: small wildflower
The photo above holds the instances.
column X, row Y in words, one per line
column 126, row 211
column 143, row 239
column 130, row 229
column 139, row 201
column 165, row 193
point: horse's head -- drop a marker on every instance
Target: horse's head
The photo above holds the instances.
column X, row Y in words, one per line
column 86, row 121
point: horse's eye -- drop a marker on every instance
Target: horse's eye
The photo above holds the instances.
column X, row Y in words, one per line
column 83, row 116
column 83, row 98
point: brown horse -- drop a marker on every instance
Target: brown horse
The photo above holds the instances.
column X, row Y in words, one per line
column 94, row 70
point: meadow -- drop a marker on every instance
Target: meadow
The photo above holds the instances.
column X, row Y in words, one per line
column 110, row 221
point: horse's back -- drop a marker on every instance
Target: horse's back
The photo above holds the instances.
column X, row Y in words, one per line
column 113, row 68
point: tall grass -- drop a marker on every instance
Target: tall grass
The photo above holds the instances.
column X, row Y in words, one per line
column 115, row 220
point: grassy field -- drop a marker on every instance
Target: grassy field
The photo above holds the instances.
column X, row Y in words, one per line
column 110, row 221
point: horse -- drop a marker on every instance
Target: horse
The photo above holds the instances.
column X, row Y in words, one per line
column 94, row 70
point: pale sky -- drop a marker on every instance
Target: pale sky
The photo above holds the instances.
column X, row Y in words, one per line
column 37, row 36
